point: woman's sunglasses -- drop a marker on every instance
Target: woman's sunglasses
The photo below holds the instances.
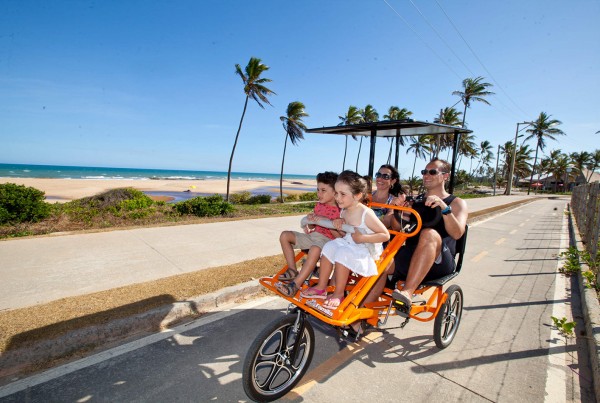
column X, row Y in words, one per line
column 383, row 176
column 432, row 172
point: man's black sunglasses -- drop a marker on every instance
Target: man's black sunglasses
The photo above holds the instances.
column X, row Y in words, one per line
column 383, row 176
column 432, row 172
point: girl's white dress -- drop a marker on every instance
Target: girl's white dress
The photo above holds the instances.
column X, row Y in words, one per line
column 358, row 257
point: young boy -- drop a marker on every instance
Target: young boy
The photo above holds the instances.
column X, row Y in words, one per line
column 313, row 238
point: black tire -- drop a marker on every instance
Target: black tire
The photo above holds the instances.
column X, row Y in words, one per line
column 448, row 318
column 267, row 373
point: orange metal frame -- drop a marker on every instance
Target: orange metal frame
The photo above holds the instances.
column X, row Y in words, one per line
column 351, row 309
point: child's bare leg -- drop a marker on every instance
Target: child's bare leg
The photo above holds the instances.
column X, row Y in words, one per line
column 309, row 264
column 341, row 278
column 324, row 273
column 287, row 239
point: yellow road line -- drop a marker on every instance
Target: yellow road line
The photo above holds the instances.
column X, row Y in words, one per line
column 326, row 368
column 512, row 232
column 500, row 241
column 479, row 256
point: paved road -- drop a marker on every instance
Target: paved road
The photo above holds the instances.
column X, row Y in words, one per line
column 43, row 269
column 505, row 349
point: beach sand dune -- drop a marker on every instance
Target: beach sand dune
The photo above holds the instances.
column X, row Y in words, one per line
column 63, row 190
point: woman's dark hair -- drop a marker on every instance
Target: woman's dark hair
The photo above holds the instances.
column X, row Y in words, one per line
column 396, row 188
column 327, row 177
column 357, row 184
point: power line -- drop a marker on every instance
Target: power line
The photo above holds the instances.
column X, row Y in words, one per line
column 479, row 60
column 422, row 40
column 441, row 38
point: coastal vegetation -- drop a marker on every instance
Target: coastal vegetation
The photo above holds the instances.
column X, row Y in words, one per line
column 24, row 211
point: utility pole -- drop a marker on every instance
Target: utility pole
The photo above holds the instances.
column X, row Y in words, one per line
column 496, row 171
column 514, row 157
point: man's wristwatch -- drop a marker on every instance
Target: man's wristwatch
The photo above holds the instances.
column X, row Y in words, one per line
column 447, row 210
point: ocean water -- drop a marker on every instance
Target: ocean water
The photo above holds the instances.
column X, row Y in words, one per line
column 75, row 172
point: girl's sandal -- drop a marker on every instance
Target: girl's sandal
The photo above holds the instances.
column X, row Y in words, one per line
column 332, row 303
column 314, row 293
column 288, row 275
column 288, row 289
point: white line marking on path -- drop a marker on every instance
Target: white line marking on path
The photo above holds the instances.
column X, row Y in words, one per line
column 227, row 310
column 556, row 379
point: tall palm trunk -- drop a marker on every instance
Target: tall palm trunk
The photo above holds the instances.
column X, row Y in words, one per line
column 234, row 146
column 390, row 153
column 358, row 156
column 414, row 165
column 533, row 167
column 345, row 151
column 282, row 162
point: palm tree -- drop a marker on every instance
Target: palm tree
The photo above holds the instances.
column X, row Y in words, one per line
column 451, row 117
column 369, row 114
column 595, row 163
column 541, row 129
column 352, row 117
column 485, row 155
column 293, row 125
column 522, row 165
column 473, row 90
column 581, row 161
column 395, row 113
column 557, row 166
column 467, row 147
column 253, row 88
column 420, row 146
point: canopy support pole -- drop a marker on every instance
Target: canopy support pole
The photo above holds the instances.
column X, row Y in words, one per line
column 397, row 147
column 372, row 152
column 454, row 154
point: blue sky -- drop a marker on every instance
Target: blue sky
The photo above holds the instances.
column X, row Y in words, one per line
column 152, row 84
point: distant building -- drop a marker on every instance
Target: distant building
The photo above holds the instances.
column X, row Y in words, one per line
column 550, row 182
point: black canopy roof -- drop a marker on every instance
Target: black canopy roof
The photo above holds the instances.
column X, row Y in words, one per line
column 396, row 128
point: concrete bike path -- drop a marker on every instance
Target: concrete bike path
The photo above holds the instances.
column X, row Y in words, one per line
column 43, row 269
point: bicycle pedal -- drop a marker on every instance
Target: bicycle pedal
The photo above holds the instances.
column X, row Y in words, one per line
column 401, row 309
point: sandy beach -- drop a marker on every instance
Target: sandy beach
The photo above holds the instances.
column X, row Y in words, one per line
column 63, row 190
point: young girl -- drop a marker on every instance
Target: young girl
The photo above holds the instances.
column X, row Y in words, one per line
column 355, row 252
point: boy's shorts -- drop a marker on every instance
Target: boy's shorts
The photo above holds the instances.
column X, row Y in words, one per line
column 305, row 241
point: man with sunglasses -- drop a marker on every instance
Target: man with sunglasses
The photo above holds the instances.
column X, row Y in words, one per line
column 430, row 254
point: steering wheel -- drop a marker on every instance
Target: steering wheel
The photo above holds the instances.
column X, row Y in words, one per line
column 429, row 216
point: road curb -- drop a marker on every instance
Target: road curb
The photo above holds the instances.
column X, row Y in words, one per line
column 79, row 341
column 590, row 307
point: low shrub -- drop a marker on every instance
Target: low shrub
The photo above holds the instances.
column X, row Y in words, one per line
column 239, row 198
column 309, row 196
column 204, row 206
column 117, row 199
column 259, row 199
column 292, row 197
column 19, row 203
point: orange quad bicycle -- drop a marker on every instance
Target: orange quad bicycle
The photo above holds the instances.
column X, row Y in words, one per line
column 281, row 354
